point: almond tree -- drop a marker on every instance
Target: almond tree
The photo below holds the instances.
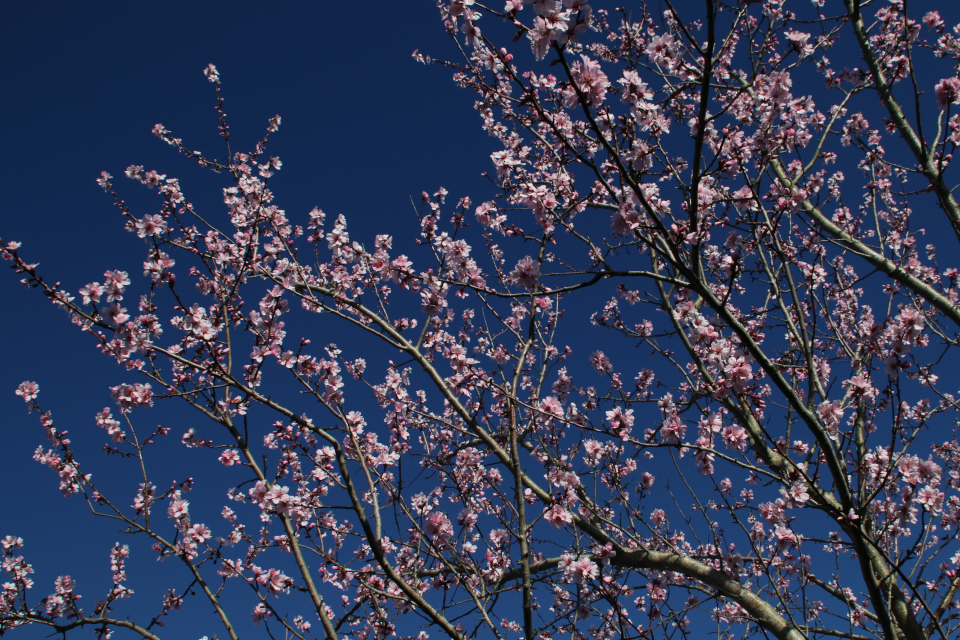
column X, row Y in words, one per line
column 746, row 192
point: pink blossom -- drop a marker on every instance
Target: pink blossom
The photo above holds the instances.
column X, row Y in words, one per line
column 604, row 553
column 931, row 498
column 115, row 282
column 356, row 421
column 487, row 215
column 10, row 543
column 212, row 74
column 199, row 533
column 860, row 386
column 64, row 584
column 106, row 421
column 438, row 526
column 659, row 517
column 277, row 494
column 558, row 516
column 662, row 49
column 591, row 80
column 539, row 38
column 948, row 92
column 28, row 390
column 601, row 362
column 738, row 372
column 772, row 512
column 467, row 519
column 178, row 508
column 115, row 314
column 526, row 273
column 620, row 421
column 542, row 201
column 260, row 612
column 275, row 580
column 472, row 33
column 799, row 42
column 932, row 19
column 551, row 406
column 786, row 539
column 776, row 86
column 132, row 396
column 656, row 588
column 673, row 430
column 735, row 437
column 91, row 293
column 592, row 451
column 909, row 466
column 635, row 90
column 911, row 324
column 830, row 413
column 798, row 493
column 229, row 457
column 150, row 225
column 579, row 570
column 858, row 616
column 460, row 7
column 259, row 492
column 647, row 479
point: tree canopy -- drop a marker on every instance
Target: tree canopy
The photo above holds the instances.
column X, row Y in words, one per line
column 684, row 370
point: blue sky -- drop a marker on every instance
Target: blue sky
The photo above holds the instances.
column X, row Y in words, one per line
column 365, row 128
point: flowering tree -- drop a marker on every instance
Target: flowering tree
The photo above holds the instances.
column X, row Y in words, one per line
column 773, row 455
